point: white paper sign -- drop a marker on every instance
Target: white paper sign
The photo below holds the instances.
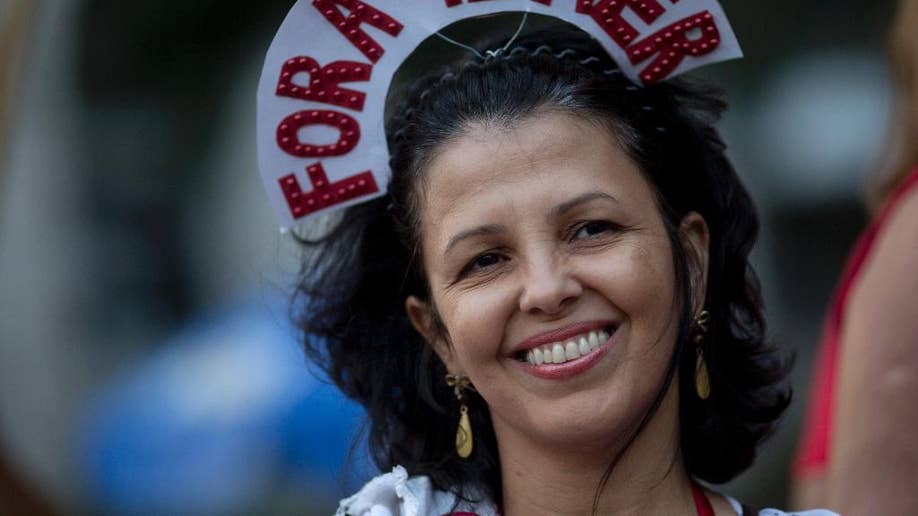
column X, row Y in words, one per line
column 322, row 94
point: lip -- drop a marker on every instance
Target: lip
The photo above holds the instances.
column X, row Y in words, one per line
column 571, row 367
column 560, row 334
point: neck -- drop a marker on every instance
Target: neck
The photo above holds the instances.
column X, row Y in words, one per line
column 648, row 478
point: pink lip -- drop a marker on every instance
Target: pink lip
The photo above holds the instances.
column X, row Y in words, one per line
column 560, row 334
column 571, row 367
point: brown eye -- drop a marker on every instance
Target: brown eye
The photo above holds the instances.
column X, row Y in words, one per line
column 485, row 260
column 482, row 261
column 593, row 228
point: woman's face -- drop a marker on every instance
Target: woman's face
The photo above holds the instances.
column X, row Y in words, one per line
column 552, row 272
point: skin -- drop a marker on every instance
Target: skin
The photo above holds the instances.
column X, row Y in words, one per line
column 809, row 491
column 873, row 467
column 532, row 228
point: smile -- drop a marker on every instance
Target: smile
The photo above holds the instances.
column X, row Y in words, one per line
column 566, row 350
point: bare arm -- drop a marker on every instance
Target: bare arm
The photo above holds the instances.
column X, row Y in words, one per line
column 874, row 455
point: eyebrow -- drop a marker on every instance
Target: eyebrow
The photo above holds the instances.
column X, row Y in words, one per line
column 567, row 206
column 488, row 229
column 494, row 229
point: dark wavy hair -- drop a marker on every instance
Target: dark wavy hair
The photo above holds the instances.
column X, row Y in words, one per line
column 357, row 275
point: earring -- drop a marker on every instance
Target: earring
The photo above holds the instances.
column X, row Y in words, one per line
column 461, row 384
column 702, row 381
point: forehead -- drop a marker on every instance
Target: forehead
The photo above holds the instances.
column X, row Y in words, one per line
column 493, row 171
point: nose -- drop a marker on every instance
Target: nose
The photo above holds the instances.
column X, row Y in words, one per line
column 548, row 288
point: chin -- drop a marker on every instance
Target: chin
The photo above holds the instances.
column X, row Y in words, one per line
column 581, row 428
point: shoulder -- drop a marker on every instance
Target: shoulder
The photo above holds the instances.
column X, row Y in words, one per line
column 738, row 507
column 897, row 237
column 397, row 494
column 900, row 222
column 883, row 297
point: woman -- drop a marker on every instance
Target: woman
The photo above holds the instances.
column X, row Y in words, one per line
column 868, row 366
column 552, row 311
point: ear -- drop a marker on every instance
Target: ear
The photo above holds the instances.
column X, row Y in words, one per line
column 421, row 315
column 696, row 239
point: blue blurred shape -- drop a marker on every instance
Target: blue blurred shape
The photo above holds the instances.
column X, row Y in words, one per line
column 224, row 415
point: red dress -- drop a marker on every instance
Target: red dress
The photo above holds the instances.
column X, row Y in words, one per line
column 813, row 451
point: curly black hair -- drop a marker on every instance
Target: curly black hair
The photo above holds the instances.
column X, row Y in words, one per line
column 358, row 274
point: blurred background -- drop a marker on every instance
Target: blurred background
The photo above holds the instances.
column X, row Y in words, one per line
column 147, row 361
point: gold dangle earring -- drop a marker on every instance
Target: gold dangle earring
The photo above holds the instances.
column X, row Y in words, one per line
column 461, row 384
column 702, row 381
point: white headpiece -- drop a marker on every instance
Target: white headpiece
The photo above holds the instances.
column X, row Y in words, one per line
column 322, row 94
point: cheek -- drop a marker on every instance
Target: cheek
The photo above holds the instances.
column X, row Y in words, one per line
column 638, row 278
column 475, row 320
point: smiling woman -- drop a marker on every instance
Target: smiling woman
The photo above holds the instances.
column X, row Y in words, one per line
column 582, row 249
column 571, row 252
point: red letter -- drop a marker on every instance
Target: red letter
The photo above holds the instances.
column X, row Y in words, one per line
column 608, row 14
column 672, row 44
column 350, row 26
column 323, row 82
column 289, row 141
column 324, row 194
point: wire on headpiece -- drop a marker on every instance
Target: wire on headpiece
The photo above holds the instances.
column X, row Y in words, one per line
column 498, row 52
column 489, row 54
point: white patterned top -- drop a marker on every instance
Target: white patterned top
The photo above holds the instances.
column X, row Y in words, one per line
column 397, row 494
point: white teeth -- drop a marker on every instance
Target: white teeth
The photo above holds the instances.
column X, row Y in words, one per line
column 584, row 346
column 571, row 351
column 557, row 353
column 560, row 352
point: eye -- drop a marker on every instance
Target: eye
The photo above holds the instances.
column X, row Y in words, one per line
column 482, row 261
column 592, row 228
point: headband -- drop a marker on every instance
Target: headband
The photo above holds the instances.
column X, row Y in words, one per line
column 322, row 94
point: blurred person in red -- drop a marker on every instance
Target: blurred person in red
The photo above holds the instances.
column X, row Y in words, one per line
column 859, row 449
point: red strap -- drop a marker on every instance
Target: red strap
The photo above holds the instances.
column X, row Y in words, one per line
column 702, row 505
